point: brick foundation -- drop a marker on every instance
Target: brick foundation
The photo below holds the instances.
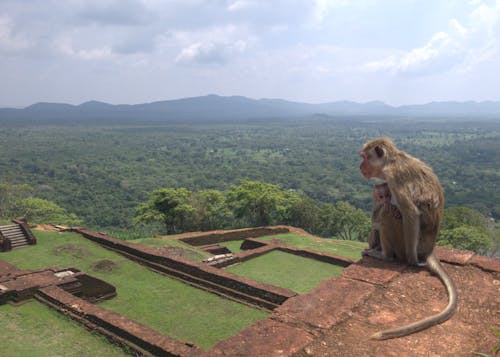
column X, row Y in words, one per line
column 199, row 274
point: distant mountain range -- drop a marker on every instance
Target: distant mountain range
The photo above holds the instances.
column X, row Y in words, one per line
column 214, row 107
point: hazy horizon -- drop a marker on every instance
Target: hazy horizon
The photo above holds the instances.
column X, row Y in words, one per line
column 141, row 51
column 229, row 96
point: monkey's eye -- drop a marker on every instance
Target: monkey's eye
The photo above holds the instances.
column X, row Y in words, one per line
column 381, row 196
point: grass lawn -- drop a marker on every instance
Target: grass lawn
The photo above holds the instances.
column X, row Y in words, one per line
column 345, row 248
column 178, row 247
column 33, row 329
column 166, row 305
column 286, row 270
column 233, row 246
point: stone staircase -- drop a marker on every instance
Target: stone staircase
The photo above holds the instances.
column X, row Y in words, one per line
column 15, row 236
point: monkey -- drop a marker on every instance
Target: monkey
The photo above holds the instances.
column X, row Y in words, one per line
column 386, row 223
column 382, row 205
column 420, row 198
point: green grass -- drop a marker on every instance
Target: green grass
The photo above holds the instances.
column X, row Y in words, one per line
column 33, row 329
column 233, row 246
column 166, row 305
column 345, row 248
column 188, row 252
column 286, row 270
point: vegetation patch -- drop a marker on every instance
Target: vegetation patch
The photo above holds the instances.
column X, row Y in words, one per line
column 172, row 247
column 104, row 265
column 164, row 304
column 33, row 329
column 233, row 246
column 345, row 248
column 74, row 250
column 101, row 172
column 277, row 241
column 286, row 270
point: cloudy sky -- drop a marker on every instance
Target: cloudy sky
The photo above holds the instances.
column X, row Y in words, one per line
column 135, row 51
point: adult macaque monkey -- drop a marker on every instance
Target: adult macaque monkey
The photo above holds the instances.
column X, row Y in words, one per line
column 420, row 199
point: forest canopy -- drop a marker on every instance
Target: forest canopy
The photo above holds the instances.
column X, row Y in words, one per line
column 101, row 172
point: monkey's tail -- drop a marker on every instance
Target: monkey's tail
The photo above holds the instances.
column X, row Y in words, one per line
column 436, row 268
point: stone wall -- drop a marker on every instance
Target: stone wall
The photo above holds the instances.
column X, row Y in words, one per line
column 199, row 274
column 205, row 238
column 142, row 339
column 254, row 248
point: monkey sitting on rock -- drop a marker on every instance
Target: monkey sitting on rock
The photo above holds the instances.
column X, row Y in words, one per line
column 419, row 197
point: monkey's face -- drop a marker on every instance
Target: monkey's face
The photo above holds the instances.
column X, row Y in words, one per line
column 371, row 166
column 382, row 197
column 382, row 194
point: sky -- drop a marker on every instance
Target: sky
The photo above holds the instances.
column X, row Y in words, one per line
column 315, row 51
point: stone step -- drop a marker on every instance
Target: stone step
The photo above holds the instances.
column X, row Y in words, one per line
column 13, row 236
column 10, row 226
column 18, row 239
column 6, row 233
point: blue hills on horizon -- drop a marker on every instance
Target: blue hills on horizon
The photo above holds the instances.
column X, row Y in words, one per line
column 228, row 108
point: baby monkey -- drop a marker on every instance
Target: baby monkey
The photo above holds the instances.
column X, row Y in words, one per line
column 387, row 217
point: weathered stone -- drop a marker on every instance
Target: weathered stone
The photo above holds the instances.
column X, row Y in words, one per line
column 203, row 275
column 453, row 256
column 264, row 338
column 254, row 253
column 326, row 305
column 320, row 256
column 204, row 238
column 373, row 270
column 137, row 336
column 7, row 268
column 486, row 263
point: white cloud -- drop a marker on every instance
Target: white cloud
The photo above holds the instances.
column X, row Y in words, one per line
column 113, row 12
column 456, row 26
column 439, row 53
column 66, row 46
column 10, row 41
column 461, row 48
column 212, row 46
column 202, row 53
column 311, row 50
column 241, row 5
column 210, row 52
column 323, row 7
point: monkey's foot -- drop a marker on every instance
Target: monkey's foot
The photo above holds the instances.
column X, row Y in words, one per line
column 372, row 253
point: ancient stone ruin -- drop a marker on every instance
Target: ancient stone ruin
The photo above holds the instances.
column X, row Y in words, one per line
column 16, row 235
column 335, row 318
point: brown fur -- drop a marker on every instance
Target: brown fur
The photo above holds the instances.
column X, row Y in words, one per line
column 374, row 238
column 416, row 189
column 381, row 210
column 420, row 199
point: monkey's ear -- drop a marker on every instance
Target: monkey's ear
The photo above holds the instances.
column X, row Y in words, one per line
column 379, row 151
